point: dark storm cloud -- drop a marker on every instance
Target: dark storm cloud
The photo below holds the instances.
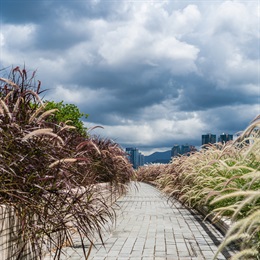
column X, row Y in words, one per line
column 54, row 35
column 29, row 11
column 36, row 11
column 55, row 20
column 198, row 93
column 131, row 89
column 129, row 82
column 152, row 73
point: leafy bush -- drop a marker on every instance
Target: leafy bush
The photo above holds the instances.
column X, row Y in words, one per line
column 68, row 113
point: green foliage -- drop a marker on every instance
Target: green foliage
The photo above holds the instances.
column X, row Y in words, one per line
column 68, row 113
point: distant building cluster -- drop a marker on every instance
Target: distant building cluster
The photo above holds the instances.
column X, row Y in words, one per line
column 135, row 157
column 211, row 138
column 182, row 149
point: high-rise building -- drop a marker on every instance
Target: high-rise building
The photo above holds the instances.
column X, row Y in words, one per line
column 141, row 159
column 208, row 139
column 183, row 149
column 135, row 157
column 223, row 138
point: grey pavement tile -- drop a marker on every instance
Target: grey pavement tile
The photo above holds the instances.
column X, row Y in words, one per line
column 151, row 227
column 172, row 257
column 113, row 253
column 160, row 254
column 98, row 258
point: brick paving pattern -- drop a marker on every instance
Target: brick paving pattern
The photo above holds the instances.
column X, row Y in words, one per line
column 151, row 227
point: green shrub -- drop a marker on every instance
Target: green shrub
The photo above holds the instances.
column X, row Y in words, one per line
column 68, row 113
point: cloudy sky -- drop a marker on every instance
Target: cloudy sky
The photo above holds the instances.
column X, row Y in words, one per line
column 152, row 73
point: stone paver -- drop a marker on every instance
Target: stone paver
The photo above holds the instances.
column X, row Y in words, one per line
column 151, row 227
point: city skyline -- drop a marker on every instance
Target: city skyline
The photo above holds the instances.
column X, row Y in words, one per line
column 137, row 158
column 218, row 138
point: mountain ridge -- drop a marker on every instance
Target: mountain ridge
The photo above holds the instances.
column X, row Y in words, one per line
column 158, row 157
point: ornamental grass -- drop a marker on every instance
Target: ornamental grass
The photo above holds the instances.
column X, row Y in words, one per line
column 224, row 179
column 49, row 172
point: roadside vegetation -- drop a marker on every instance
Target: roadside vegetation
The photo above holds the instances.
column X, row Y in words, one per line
column 50, row 168
column 224, row 180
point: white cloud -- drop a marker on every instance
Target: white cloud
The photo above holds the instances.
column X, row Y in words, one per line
column 236, row 18
column 122, row 44
column 135, row 40
column 171, row 48
column 160, row 130
column 182, row 22
column 239, row 67
column 77, row 95
column 228, row 39
column 16, row 43
column 18, row 36
column 134, row 45
column 2, row 39
column 69, row 95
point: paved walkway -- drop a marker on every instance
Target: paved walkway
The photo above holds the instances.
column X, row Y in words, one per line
column 150, row 227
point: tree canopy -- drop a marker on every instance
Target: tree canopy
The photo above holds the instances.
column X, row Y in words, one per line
column 68, row 113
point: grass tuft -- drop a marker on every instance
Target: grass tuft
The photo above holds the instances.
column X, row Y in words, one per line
column 52, row 189
column 225, row 180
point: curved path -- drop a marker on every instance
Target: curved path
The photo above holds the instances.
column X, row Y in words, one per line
column 150, row 227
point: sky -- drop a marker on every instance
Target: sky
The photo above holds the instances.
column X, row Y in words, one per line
column 151, row 73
